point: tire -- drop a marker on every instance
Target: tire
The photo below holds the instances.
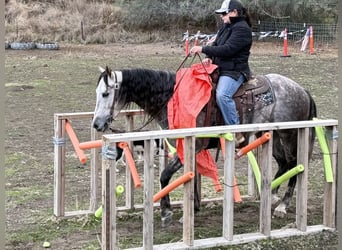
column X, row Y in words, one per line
column 48, row 46
column 17, row 45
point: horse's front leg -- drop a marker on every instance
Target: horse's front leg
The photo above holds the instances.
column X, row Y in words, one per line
column 280, row 210
column 166, row 213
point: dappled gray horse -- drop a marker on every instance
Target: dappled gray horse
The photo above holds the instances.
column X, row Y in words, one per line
column 275, row 98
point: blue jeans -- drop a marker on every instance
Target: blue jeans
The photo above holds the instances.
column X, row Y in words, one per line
column 225, row 90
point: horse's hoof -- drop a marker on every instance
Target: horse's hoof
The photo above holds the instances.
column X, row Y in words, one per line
column 280, row 211
column 166, row 218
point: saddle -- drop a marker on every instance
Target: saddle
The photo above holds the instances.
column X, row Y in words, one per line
column 252, row 95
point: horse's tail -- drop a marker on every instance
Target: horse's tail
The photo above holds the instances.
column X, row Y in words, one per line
column 312, row 114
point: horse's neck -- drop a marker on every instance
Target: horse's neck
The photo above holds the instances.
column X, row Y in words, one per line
column 149, row 89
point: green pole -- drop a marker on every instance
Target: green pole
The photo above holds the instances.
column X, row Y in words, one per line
column 255, row 168
column 292, row 172
column 326, row 155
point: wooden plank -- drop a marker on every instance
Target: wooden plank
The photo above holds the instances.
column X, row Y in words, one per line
column 302, row 179
column 77, row 213
column 94, row 172
column 188, row 207
column 59, row 167
column 108, row 201
column 148, row 195
column 329, row 203
column 239, row 239
column 265, row 193
column 84, row 115
column 129, row 180
column 228, row 192
column 181, row 133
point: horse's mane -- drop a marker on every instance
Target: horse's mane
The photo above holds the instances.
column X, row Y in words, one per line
column 150, row 89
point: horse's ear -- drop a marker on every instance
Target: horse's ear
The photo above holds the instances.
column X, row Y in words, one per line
column 108, row 71
column 101, row 69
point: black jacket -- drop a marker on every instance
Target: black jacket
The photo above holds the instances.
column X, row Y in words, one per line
column 231, row 49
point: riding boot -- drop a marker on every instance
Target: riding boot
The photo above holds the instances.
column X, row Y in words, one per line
column 239, row 139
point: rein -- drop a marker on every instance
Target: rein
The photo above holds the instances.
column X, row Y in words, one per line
column 176, row 84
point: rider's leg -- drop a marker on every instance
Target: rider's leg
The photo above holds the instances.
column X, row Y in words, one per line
column 226, row 88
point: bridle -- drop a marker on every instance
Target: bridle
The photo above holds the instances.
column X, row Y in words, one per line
column 117, row 84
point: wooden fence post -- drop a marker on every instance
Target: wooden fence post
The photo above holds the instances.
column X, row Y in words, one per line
column 302, row 179
column 329, row 208
column 228, row 196
column 265, row 193
column 148, row 195
column 188, row 206
column 59, row 167
column 108, row 199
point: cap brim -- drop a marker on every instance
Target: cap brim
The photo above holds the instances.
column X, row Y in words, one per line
column 220, row 11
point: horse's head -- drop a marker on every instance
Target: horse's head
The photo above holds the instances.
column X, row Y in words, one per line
column 107, row 92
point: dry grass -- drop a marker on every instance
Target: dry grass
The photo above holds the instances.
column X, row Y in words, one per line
column 61, row 21
column 89, row 22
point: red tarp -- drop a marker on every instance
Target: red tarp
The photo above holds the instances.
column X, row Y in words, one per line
column 192, row 92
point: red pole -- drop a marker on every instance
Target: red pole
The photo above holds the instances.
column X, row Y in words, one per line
column 90, row 144
column 74, row 140
column 311, row 41
column 179, row 181
column 187, row 43
column 131, row 163
column 261, row 140
column 196, row 38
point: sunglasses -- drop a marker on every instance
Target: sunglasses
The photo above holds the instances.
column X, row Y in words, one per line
column 225, row 13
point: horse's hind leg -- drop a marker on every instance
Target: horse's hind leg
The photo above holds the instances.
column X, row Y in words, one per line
column 171, row 168
column 287, row 159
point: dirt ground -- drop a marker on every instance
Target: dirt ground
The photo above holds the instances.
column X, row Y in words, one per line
column 40, row 83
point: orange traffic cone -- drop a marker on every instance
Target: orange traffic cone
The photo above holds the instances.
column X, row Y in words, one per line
column 311, row 43
column 285, row 52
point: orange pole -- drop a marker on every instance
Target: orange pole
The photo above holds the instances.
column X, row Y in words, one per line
column 187, row 44
column 179, row 181
column 131, row 163
column 196, row 38
column 75, row 142
column 311, row 42
column 90, row 144
column 236, row 191
column 261, row 140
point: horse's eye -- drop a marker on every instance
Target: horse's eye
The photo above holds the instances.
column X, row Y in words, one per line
column 105, row 94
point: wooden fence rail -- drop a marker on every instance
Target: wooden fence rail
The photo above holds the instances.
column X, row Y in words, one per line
column 110, row 208
column 60, row 163
column 109, row 230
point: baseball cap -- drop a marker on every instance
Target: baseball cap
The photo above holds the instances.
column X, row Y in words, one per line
column 228, row 5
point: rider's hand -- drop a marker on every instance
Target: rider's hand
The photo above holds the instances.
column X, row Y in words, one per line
column 196, row 49
column 207, row 61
